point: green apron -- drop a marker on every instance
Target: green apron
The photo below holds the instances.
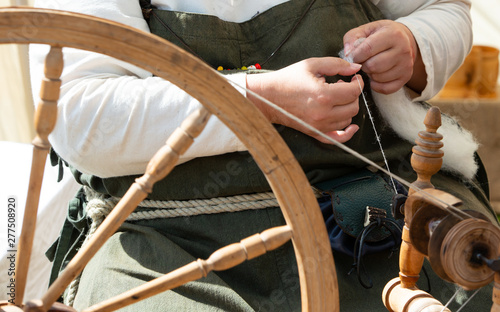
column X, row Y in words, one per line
column 233, row 45
column 143, row 250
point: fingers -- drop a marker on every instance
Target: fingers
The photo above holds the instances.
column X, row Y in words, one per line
column 335, row 104
column 380, row 36
column 383, row 57
column 369, row 48
column 350, row 109
column 341, row 92
column 390, row 80
column 331, row 66
column 382, row 63
column 334, row 136
column 343, row 100
column 388, row 66
column 388, row 54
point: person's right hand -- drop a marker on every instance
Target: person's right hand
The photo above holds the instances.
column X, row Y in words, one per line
column 302, row 90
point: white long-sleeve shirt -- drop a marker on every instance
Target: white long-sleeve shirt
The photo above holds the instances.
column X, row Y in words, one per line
column 129, row 114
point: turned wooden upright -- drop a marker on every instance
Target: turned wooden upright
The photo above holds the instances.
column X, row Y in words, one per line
column 401, row 294
column 45, row 120
column 426, row 160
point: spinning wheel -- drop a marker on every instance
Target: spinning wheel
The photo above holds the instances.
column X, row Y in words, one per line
column 456, row 242
column 299, row 206
column 319, row 290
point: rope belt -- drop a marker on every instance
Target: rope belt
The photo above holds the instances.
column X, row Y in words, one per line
column 174, row 208
column 99, row 206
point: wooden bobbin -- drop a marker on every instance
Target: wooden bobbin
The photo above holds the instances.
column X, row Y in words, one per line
column 426, row 160
column 460, row 248
column 451, row 241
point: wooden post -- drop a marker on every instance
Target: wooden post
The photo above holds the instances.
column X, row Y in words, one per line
column 45, row 120
column 426, row 160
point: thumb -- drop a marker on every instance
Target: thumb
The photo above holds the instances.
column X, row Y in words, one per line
column 345, row 135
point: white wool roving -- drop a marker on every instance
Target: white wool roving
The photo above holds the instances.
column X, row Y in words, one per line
column 406, row 118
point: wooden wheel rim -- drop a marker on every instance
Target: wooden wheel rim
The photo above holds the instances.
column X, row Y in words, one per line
column 319, row 291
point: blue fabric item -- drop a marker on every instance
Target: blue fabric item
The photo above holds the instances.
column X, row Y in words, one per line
column 343, row 243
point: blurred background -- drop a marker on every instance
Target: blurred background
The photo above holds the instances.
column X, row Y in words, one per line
column 16, row 104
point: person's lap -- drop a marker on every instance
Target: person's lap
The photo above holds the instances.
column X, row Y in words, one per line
column 141, row 252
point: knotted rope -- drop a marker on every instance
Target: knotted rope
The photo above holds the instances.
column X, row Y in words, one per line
column 97, row 208
column 172, row 209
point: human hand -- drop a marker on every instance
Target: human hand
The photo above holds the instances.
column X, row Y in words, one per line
column 302, row 90
column 389, row 55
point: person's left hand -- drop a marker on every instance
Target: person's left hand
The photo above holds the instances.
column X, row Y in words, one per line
column 389, row 55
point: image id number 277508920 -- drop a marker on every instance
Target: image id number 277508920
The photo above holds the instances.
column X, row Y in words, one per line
column 11, row 247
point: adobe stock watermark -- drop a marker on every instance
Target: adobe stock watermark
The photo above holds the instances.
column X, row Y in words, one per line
column 11, row 245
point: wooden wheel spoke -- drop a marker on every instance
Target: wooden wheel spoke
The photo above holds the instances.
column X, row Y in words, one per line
column 158, row 168
column 222, row 259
